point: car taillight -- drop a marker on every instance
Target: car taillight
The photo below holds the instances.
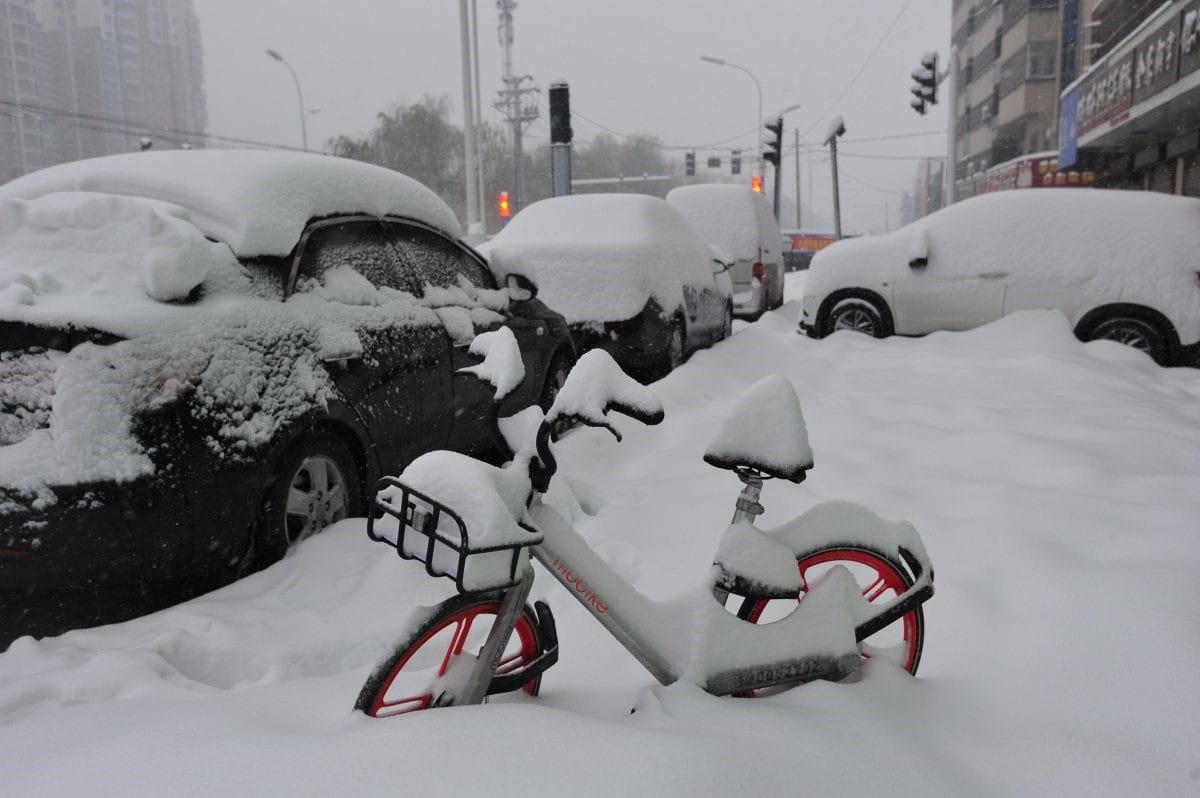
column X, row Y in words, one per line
column 758, row 271
column 1198, row 279
column 14, row 554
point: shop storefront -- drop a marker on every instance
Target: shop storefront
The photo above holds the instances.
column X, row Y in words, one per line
column 1133, row 119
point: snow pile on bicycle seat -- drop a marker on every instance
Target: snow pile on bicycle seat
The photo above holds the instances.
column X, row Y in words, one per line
column 764, row 430
column 597, row 384
column 489, row 500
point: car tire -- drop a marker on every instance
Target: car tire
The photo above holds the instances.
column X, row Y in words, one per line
column 727, row 324
column 859, row 315
column 1134, row 332
column 317, row 483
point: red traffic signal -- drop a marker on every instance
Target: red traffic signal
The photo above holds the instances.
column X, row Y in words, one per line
column 756, row 183
column 505, row 209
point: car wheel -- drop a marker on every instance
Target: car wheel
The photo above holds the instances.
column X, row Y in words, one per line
column 858, row 315
column 316, row 484
column 727, row 326
column 1134, row 332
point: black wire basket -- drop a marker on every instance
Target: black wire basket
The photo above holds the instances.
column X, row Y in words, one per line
column 434, row 534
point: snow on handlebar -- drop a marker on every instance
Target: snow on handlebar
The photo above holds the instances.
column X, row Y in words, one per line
column 597, row 385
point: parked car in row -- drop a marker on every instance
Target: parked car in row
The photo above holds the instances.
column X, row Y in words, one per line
column 210, row 355
column 740, row 223
column 1121, row 265
column 627, row 272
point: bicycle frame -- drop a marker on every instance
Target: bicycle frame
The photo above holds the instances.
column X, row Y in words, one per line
column 695, row 637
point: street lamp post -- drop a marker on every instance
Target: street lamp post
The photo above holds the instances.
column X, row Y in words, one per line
column 758, row 122
column 836, row 129
column 299, row 97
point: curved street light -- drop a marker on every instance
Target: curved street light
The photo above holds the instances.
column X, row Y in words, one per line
column 758, row 122
column 299, row 96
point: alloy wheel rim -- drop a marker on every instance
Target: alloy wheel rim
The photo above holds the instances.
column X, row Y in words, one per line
column 316, row 498
column 855, row 319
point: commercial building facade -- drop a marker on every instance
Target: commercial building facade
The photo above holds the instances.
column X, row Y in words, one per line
column 1133, row 117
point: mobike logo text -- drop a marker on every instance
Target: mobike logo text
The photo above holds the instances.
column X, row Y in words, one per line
column 585, row 592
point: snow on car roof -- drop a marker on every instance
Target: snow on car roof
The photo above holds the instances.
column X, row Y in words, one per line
column 725, row 214
column 255, row 201
column 600, row 257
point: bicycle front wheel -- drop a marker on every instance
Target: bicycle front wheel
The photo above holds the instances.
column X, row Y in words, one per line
column 409, row 678
column 880, row 577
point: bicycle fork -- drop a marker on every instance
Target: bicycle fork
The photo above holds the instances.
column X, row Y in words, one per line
column 475, row 688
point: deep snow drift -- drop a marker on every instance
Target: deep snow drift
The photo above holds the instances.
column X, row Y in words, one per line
column 1057, row 488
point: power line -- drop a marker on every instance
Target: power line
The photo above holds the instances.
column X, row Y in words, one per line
column 118, row 126
column 862, row 68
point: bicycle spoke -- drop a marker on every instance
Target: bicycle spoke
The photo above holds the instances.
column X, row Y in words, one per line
column 459, row 641
column 876, row 589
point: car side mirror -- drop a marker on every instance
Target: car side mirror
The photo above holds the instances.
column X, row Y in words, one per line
column 718, row 266
column 521, row 288
column 918, row 250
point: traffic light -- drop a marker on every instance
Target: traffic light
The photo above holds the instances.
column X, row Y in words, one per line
column 756, row 183
column 773, row 149
column 689, row 163
column 735, row 163
column 924, row 88
column 504, row 208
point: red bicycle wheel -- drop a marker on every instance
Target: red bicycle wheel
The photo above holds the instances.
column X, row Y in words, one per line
column 881, row 579
column 407, row 679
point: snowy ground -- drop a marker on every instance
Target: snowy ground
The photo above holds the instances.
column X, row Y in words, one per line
column 1057, row 487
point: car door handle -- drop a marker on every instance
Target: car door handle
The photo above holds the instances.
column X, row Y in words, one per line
column 993, row 275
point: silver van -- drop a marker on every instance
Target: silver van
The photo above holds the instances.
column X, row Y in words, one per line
column 738, row 221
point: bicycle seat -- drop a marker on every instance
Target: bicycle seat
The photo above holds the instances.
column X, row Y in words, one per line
column 764, row 433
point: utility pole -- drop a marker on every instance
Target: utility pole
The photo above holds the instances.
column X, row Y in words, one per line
column 473, row 224
column 797, row 152
column 518, row 112
column 951, row 130
column 835, row 130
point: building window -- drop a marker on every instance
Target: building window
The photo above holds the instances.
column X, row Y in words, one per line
column 1040, row 57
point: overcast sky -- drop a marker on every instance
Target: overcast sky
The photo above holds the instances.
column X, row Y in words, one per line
column 633, row 66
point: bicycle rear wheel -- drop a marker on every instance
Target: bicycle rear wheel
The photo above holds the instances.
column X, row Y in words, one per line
column 881, row 579
column 407, row 679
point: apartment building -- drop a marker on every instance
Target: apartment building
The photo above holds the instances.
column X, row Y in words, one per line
column 26, row 142
column 106, row 74
column 1009, row 54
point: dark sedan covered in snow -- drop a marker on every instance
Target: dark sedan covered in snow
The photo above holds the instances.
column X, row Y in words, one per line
column 210, row 355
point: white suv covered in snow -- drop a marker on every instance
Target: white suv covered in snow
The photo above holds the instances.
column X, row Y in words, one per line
column 1121, row 265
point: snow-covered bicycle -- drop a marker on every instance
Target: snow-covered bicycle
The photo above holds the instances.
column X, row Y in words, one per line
column 810, row 599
